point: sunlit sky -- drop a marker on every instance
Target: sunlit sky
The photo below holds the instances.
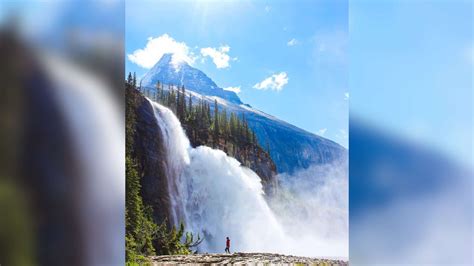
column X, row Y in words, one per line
column 287, row 60
column 411, row 71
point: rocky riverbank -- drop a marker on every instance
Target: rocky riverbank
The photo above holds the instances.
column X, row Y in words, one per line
column 242, row 259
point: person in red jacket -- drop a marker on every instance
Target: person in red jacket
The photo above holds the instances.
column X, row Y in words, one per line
column 227, row 245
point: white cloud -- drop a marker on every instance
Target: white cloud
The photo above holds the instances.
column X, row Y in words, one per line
column 219, row 56
column 234, row 89
column 292, row 42
column 156, row 47
column 346, row 95
column 322, row 131
column 274, row 82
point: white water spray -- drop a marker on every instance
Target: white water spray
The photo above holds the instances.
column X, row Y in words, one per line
column 177, row 150
column 215, row 196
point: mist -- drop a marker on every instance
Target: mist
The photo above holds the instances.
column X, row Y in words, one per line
column 216, row 197
column 312, row 206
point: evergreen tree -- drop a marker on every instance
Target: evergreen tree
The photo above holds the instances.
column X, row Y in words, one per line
column 216, row 122
column 208, row 114
column 158, row 92
column 232, row 125
column 190, row 104
column 134, row 83
column 130, row 78
column 162, row 94
column 178, row 104
column 182, row 103
column 254, row 138
column 224, row 124
column 238, row 130
column 139, row 229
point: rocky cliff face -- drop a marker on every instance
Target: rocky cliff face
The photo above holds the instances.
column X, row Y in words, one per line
column 149, row 153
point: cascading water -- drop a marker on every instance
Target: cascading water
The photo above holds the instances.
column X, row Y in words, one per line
column 215, row 196
column 96, row 125
column 177, row 150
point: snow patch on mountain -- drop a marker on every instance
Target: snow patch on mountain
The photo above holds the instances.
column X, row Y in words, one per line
column 180, row 73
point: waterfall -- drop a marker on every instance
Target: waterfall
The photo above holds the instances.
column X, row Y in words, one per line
column 177, row 150
column 96, row 124
column 214, row 195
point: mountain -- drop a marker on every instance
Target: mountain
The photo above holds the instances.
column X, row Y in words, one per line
column 169, row 70
column 291, row 148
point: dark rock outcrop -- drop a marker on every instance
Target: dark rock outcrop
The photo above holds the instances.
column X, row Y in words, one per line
column 263, row 165
column 149, row 154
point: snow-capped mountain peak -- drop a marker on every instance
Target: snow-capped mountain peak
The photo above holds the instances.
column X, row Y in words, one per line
column 173, row 60
column 172, row 70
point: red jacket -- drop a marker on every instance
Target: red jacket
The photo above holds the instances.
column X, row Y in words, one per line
column 227, row 243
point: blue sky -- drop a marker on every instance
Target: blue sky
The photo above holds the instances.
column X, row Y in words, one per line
column 411, row 71
column 303, row 46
